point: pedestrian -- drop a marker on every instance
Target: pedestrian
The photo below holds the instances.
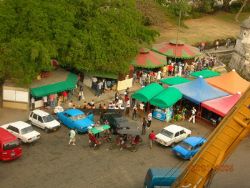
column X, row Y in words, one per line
column 65, row 96
column 45, row 101
column 81, row 96
column 144, row 126
column 134, row 113
column 127, row 107
column 151, row 139
column 99, row 89
column 192, row 117
column 216, row 45
column 70, row 104
column 183, row 112
column 72, row 137
column 32, row 103
column 149, row 119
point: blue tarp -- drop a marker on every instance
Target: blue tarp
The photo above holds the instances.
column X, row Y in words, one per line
column 199, row 90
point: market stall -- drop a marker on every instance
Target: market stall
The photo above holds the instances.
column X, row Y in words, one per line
column 164, row 102
column 205, row 74
column 148, row 92
column 178, row 50
column 230, row 82
column 221, row 106
column 149, row 59
column 199, row 90
column 58, row 81
column 174, row 80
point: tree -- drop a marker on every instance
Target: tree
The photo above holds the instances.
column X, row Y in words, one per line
column 86, row 35
column 244, row 3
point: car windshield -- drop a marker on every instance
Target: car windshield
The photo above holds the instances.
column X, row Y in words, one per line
column 167, row 133
column 186, row 146
column 11, row 145
column 78, row 117
column 48, row 118
column 27, row 130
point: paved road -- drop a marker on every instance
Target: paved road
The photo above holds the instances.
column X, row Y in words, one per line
column 51, row 162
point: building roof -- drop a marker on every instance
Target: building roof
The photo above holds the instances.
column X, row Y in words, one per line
column 246, row 23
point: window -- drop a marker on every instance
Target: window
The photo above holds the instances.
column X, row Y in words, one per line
column 182, row 132
column 177, row 134
column 40, row 119
column 13, row 129
column 34, row 116
column 11, row 145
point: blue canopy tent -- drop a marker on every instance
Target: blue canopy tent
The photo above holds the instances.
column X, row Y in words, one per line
column 199, row 90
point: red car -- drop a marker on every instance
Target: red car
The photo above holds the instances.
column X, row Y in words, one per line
column 10, row 148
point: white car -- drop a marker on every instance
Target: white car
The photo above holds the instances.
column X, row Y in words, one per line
column 172, row 134
column 22, row 131
column 43, row 120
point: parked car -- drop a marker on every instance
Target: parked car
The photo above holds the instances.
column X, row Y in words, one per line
column 22, row 131
column 161, row 177
column 116, row 121
column 76, row 119
column 10, row 148
column 43, row 120
column 189, row 147
column 172, row 134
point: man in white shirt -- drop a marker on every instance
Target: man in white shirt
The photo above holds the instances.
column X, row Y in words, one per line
column 149, row 119
column 72, row 137
column 193, row 112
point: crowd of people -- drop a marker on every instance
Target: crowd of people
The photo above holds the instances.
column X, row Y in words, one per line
column 174, row 68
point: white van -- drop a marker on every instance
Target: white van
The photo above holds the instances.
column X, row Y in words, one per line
column 44, row 120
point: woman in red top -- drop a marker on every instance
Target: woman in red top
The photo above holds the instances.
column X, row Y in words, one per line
column 65, row 95
column 151, row 138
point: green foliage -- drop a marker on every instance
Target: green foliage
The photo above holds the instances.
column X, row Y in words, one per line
column 181, row 5
column 206, row 6
column 86, row 35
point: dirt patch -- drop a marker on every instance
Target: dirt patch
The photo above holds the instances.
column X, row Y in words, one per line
column 207, row 28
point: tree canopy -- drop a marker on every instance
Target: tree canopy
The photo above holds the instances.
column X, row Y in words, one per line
column 87, row 35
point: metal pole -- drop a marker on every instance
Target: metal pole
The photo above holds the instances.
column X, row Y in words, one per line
column 177, row 35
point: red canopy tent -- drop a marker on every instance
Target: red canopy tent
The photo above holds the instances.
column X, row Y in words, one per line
column 179, row 50
column 149, row 59
column 221, row 106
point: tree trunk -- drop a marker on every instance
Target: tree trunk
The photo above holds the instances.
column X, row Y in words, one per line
column 244, row 3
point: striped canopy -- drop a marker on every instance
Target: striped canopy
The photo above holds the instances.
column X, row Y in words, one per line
column 149, row 59
column 180, row 50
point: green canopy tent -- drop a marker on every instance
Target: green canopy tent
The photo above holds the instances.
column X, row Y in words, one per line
column 166, row 98
column 148, row 92
column 68, row 84
column 205, row 74
column 174, row 80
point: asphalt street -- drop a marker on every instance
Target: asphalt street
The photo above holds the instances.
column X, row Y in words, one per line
column 51, row 162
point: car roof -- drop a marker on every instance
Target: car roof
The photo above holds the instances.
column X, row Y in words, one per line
column 173, row 128
column 19, row 124
column 41, row 112
column 74, row 112
column 6, row 135
column 194, row 140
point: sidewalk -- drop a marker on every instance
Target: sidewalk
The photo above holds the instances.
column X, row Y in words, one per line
column 103, row 98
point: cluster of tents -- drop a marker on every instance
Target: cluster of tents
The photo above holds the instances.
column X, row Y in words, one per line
column 218, row 94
